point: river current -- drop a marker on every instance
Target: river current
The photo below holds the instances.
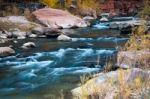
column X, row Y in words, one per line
column 54, row 67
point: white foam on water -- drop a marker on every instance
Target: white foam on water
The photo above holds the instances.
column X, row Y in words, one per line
column 103, row 51
column 86, row 70
column 82, row 39
column 27, row 75
column 86, row 52
column 113, row 39
column 60, row 53
column 72, row 70
column 32, row 65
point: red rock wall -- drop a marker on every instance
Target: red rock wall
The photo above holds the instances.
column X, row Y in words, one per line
column 122, row 6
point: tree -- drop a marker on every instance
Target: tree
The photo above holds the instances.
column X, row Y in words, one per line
column 145, row 13
column 50, row 3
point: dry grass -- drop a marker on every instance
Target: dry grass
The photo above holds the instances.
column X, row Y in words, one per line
column 138, row 40
column 116, row 88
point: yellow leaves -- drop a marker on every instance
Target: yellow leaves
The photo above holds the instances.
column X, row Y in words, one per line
column 50, row 3
column 146, row 10
column 88, row 5
column 138, row 39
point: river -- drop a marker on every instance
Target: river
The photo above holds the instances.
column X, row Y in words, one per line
column 54, row 67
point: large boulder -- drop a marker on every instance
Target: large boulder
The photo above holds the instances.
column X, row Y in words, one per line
column 133, row 83
column 12, row 22
column 130, row 59
column 6, row 51
column 55, row 18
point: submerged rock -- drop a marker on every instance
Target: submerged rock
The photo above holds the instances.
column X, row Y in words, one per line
column 63, row 37
column 28, row 45
column 107, row 85
column 6, row 51
column 55, row 18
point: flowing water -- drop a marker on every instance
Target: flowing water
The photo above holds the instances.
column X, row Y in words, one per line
column 54, row 67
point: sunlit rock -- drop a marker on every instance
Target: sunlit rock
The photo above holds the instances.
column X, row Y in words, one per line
column 28, row 45
column 63, row 37
column 6, row 51
column 107, row 85
column 129, row 59
column 104, row 19
column 55, row 18
column 19, row 22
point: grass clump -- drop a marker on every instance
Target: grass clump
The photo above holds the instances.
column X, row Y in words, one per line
column 120, row 84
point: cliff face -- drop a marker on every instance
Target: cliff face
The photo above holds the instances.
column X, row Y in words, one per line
column 122, row 6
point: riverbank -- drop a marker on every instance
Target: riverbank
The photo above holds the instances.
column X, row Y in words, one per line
column 47, row 52
column 130, row 80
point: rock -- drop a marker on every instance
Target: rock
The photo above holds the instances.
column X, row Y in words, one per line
column 28, row 45
column 21, row 37
column 87, row 18
column 38, row 30
column 3, row 36
column 6, row 51
column 104, row 19
column 15, row 41
column 49, row 32
column 129, row 59
column 52, row 33
column 108, row 85
column 33, row 36
column 55, row 18
column 19, row 34
column 63, row 37
column 10, row 23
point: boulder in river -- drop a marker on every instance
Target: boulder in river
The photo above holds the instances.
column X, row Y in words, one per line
column 49, row 32
column 130, row 59
column 6, row 51
column 28, row 45
column 104, row 19
column 63, row 37
column 86, row 18
column 108, row 85
column 53, row 33
column 55, row 18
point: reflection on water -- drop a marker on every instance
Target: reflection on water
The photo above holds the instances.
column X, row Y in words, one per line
column 41, row 73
